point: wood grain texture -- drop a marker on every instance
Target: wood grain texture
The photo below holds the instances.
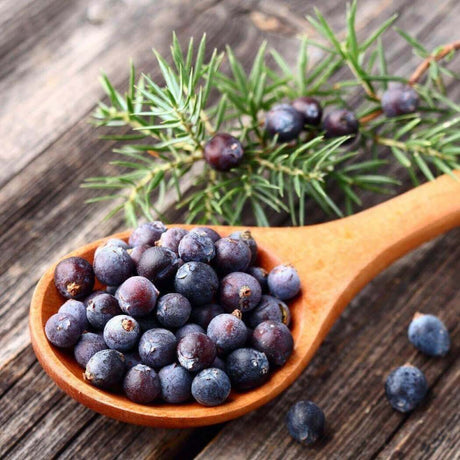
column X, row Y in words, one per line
column 50, row 58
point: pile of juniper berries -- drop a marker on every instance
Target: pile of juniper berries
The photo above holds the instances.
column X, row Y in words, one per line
column 185, row 314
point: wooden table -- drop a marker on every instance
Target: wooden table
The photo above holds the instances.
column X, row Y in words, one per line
column 51, row 52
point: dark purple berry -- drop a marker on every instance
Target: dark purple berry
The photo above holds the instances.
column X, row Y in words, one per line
column 399, row 100
column 341, row 122
column 159, row 265
column 170, row 239
column 173, row 310
column 141, row 384
column 196, row 351
column 137, row 296
column 101, row 308
column 196, row 246
column 197, row 281
column 74, row 278
column 209, row 232
column 132, row 358
column 157, row 347
column 204, row 314
column 117, row 242
column 223, row 152
column 211, row 387
column 261, row 275
column 310, row 109
column 305, row 422
column 188, row 329
column 269, row 308
column 283, row 282
column 406, row 387
column 429, row 334
column 247, row 368
column 285, row 121
column 231, row 256
column 136, row 253
column 88, row 345
column 246, row 237
column 76, row 309
column 105, row 369
column 275, row 340
column 176, row 384
column 63, row 330
column 91, row 296
column 147, row 233
column 240, row 291
column 112, row 265
column 228, row 333
column 111, row 290
column 122, row 333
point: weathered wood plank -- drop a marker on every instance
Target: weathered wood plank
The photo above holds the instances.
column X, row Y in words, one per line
column 347, row 375
column 41, row 198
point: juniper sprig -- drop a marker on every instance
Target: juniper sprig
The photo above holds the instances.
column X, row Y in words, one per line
column 163, row 128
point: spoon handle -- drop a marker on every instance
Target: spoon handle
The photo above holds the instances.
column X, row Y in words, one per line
column 352, row 251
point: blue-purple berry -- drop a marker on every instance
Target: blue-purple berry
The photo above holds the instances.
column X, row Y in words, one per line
column 275, row 340
column 88, row 345
column 211, row 233
column 74, row 278
column 176, row 384
column 405, row 388
column 240, row 291
column 269, row 308
column 228, row 333
column 105, row 369
column 117, row 242
column 305, row 422
column 112, row 265
column 159, row 265
column 157, row 347
column 171, row 238
column 261, row 275
column 137, row 252
column 122, row 333
column 247, row 368
column 173, row 310
column 188, row 329
column 137, row 296
column 341, row 122
column 211, row 387
column 147, row 233
column 399, row 100
column 141, row 384
column 76, row 309
column 310, row 109
column 283, row 282
column 101, row 308
column 246, row 237
column 196, row 351
column 197, row 281
column 223, row 152
column 196, row 246
column 429, row 335
column 232, row 255
column 283, row 121
column 63, row 330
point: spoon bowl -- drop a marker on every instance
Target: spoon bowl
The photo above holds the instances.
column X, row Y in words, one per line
column 334, row 260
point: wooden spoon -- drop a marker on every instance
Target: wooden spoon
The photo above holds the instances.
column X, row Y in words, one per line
column 334, row 260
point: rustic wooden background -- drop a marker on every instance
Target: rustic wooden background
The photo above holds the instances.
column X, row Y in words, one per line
column 51, row 52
